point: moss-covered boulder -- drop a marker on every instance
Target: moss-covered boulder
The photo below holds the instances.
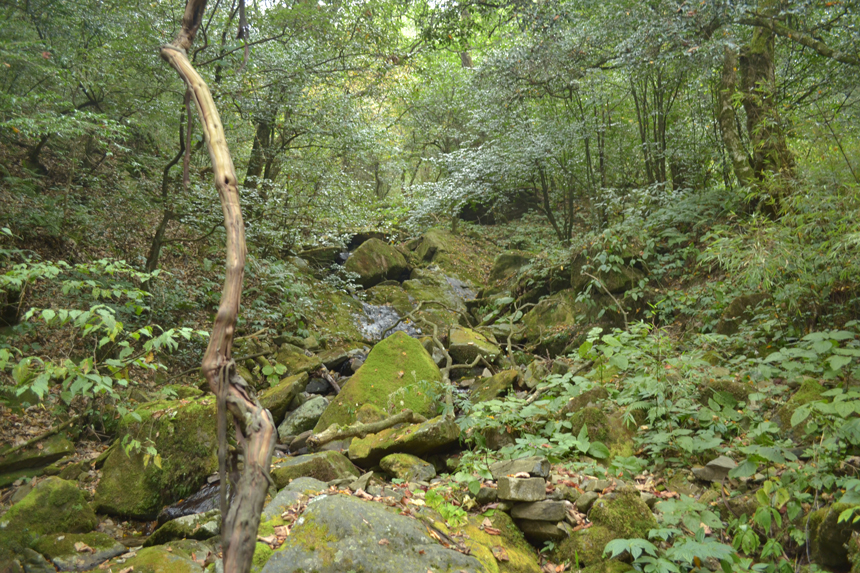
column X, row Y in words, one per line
column 183, row 434
column 200, row 526
column 324, row 466
column 740, row 310
column 464, row 345
column 53, row 506
column 621, row 278
column 559, row 321
column 594, row 419
column 398, row 374
column 407, row 467
column 291, row 493
column 339, row 533
column 508, row 264
column 809, row 391
column 494, row 386
column 625, row 516
column 591, row 397
column 63, row 550
column 321, row 256
column 375, row 261
column 170, row 558
column 296, row 360
column 828, row 537
column 277, row 398
column 44, row 453
column 417, row 439
column 738, row 391
column 507, row 552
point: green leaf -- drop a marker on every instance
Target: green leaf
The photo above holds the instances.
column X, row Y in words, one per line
column 837, row 362
column 744, row 469
column 48, row 315
column 635, row 547
column 800, row 415
column 598, row 451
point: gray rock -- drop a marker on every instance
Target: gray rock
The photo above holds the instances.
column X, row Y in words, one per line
column 522, row 489
column 585, row 501
column 339, row 533
column 486, row 495
column 716, row 470
column 318, row 386
column 596, row 485
column 292, row 493
column 540, row 511
column 535, row 466
column 324, row 466
column 540, row 531
column 535, row 373
column 302, row 419
column 407, row 467
column 362, row 482
column 200, row 526
column 60, row 550
column 417, row 439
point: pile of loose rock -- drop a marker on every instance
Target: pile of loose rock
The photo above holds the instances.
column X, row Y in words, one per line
column 522, row 491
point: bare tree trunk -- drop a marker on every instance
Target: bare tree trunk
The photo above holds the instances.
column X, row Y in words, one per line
column 255, row 430
column 728, row 121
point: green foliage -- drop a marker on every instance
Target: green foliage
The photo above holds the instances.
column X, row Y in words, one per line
column 453, row 515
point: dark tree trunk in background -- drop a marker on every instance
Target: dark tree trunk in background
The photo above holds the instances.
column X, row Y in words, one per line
column 255, row 430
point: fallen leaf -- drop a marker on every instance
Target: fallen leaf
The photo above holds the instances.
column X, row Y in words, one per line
column 486, row 522
column 82, row 547
column 268, row 540
column 521, row 475
column 384, row 542
column 127, row 569
column 492, row 531
column 500, row 554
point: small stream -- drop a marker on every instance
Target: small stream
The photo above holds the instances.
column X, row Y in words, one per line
column 379, row 318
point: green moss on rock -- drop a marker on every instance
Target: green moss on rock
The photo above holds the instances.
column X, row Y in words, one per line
column 277, row 398
column 522, row 557
column 324, row 466
column 375, row 261
column 809, row 391
column 417, row 439
column 464, row 345
column 624, row 516
column 398, row 374
column 184, row 435
column 53, row 506
column 494, row 386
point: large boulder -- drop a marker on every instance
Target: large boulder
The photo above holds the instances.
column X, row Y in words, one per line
column 277, row 398
column 62, row 552
column 53, row 506
column 506, row 552
column 302, row 418
column 29, row 462
column 407, row 467
column 416, row 439
column 184, row 435
column 508, row 264
column 200, row 526
column 324, row 466
column 375, row 261
column 740, row 310
column 398, row 374
column 828, row 537
column 557, row 321
column 465, row 344
column 494, row 386
column 337, row 533
column 621, row 278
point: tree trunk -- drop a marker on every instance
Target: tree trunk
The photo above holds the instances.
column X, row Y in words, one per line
column 255, row 430
column 257, row 161
column 728, row 121
column 770, row 152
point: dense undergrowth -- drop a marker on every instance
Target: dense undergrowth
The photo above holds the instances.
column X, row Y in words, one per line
column 88, row 332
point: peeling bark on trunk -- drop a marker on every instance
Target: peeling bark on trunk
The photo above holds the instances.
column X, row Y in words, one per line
column 255, row 430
